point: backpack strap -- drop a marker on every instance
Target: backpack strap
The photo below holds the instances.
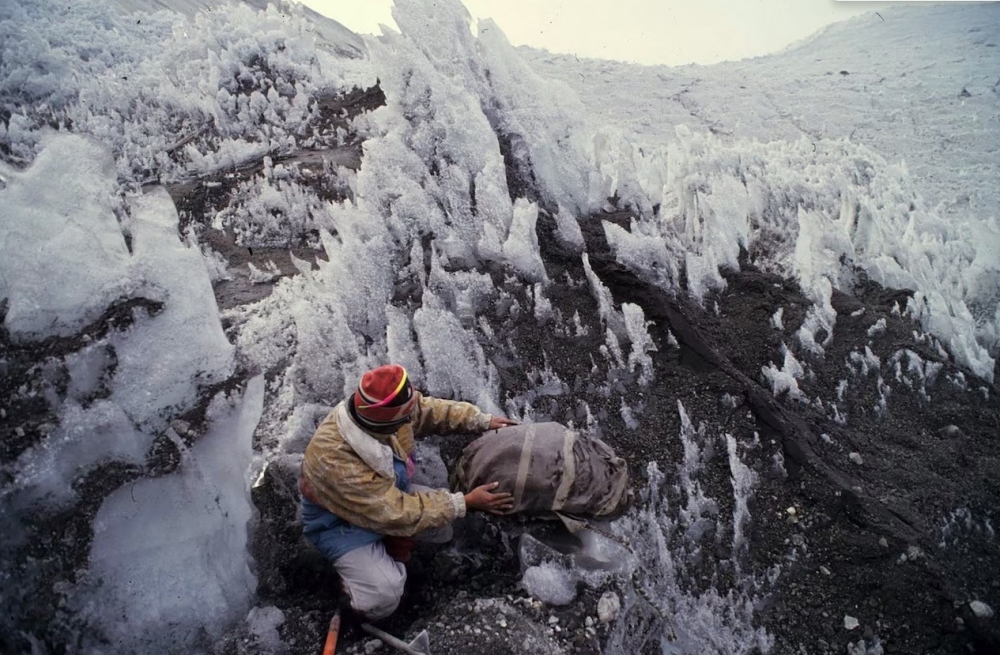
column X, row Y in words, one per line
column 524, row 465
column 568, row 472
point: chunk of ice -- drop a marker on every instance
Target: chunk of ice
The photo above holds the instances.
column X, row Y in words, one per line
column 168, row 560
column 550, row 584
column 62, row 253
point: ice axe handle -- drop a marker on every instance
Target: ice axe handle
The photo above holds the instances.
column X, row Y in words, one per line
column 331, row 636
column 421, row 649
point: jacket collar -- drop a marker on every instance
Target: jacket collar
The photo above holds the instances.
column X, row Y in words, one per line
column 375, row 454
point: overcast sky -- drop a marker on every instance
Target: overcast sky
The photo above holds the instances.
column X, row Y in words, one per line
column 645, row 31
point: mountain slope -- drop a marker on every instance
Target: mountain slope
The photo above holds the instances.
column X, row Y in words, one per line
column 771, row 333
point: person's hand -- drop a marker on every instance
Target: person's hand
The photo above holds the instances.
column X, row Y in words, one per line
column 498, row 422
column 483, row 498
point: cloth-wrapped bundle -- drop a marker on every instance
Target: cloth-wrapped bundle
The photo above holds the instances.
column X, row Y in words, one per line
column 548, row 468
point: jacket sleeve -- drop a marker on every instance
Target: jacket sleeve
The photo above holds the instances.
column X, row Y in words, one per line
column 437, row 416
column 354, row 492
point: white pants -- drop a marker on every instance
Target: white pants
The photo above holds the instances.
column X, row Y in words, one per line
column 373, row 580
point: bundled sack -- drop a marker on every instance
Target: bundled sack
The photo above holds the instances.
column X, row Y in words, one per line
column 548, row 468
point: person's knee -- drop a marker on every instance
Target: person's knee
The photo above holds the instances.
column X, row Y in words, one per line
column 373, row 580
column 381, row 599
column 376, row 607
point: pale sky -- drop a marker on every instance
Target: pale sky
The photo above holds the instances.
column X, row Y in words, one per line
column 646, row 31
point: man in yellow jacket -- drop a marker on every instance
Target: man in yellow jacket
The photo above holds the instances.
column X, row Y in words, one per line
column 356, row 487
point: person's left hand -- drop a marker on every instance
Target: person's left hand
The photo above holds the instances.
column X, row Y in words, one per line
column 498, row 422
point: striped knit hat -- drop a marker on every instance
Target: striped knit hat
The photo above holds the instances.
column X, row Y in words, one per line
column 385, row 397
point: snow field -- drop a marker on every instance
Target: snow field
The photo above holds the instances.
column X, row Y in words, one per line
column 913, row 116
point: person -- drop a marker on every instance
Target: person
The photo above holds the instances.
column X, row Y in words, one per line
column 357, row 498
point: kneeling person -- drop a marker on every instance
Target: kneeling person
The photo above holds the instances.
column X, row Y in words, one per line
column 356, row 489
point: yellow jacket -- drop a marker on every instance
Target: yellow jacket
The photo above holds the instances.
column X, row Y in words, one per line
column 349, row 471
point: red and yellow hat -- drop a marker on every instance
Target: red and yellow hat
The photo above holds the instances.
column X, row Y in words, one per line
column 385, row 397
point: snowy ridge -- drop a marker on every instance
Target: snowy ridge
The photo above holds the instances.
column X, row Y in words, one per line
column 149, row 87
column 333, row 35
column 838, row 204
column 432, row 165
column 929, row 224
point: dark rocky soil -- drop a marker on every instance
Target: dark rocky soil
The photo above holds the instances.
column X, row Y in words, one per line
column 865, row 540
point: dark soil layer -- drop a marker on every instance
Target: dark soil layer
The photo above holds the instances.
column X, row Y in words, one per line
column 866, row 537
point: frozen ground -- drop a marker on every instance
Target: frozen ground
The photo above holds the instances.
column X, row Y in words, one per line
column 771, row 285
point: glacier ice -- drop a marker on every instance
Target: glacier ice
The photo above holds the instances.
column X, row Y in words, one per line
column 63, row 256
column 168, row 559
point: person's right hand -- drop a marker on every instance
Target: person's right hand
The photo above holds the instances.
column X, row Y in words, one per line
column 483, row 498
